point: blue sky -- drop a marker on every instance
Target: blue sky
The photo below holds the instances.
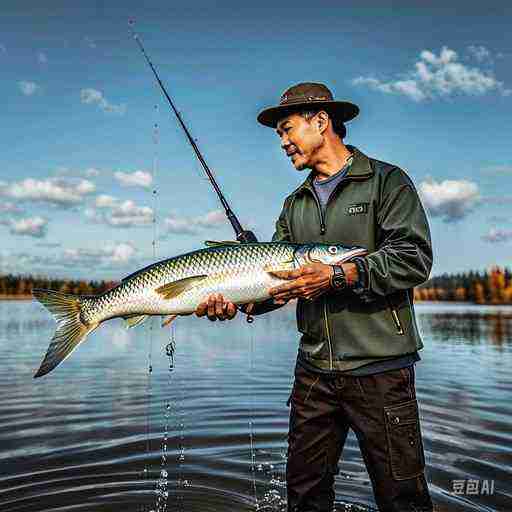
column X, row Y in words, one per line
column 81, row 154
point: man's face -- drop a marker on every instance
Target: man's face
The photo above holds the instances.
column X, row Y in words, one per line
column 300, row 139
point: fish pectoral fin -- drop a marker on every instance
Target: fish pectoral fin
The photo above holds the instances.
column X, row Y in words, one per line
column 133, row 320
column 215, row 243
column 172, row 290
column 277, row 267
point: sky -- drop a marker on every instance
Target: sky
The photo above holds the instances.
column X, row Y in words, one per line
column 98, row 180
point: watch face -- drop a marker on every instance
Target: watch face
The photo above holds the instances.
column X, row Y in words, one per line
column 338, row 280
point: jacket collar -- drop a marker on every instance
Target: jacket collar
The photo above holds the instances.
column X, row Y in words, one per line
column 360, row 169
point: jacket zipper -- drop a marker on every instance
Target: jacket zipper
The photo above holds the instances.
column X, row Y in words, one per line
column 396, row 318
column 320, row 211
column 328, row 335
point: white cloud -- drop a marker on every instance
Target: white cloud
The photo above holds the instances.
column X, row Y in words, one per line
column 480, row 53
column 42, row 58
column 9, row 207
column 497, row 235
column 74, row 262
column 213, row 218
column 109, row 254
column 450, row 199
column 127, row 214
column 32, row 226
column 93, row 96
column 62, row 171
column 3, row 49
column 134, row 179
column 48, row 245
column 28, row 88
column 105, row 201
column 117, row 213
column 92, row 172
column 56, row 191
column 179, row 226
column 438, row 76
column 192, row 225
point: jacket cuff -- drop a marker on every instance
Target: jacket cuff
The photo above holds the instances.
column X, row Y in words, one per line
column 362, row 274
column 261, row 308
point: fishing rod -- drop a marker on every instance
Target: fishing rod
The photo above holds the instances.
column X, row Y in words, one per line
column 242, row 235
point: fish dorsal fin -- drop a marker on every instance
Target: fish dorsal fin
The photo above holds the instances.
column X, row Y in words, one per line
column 172, row 290
column 279, row 266
column 215, row 243
column 133, row 320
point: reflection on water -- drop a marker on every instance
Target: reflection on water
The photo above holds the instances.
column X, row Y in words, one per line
column 101, row 433
column 459, row 323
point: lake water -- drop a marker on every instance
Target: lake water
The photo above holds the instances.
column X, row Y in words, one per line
column 102, row 433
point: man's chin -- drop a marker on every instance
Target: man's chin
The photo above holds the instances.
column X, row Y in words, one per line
column 299, row 165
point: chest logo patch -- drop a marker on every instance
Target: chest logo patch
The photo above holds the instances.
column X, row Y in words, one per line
column 357, row 209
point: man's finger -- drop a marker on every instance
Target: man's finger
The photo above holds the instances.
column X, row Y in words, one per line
column 231, row 310
column 201, row 309
column 219, row 307
column 294, row 285
column 211, row 307
column 286, row 274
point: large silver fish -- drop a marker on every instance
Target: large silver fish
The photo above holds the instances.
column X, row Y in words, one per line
column 177, row 285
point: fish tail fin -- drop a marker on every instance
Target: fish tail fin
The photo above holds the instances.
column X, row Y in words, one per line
column 71, row 330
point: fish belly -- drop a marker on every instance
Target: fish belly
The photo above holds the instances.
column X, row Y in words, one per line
column 236, row 287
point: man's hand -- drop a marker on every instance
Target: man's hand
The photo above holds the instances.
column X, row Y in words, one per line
column 309, row 281
column 216, row 307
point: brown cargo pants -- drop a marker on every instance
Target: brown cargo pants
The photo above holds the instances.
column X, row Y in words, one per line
column 382, row 411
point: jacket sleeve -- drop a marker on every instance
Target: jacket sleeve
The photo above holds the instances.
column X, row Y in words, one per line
column 403, row 258
column 282, row 231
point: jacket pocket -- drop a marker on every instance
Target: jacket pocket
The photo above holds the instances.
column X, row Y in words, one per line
column 395, row 318
column 405, row 449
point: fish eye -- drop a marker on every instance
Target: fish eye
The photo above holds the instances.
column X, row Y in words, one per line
column 332, row 249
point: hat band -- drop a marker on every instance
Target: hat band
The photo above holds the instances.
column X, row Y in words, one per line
column 285, row 100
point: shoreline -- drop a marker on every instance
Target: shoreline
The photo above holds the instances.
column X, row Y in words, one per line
column 416, row 302
column 16, row 297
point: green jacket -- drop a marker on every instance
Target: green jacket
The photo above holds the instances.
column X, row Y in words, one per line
column 375, row 206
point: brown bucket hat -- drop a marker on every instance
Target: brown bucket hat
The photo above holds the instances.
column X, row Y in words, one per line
column 307, row 94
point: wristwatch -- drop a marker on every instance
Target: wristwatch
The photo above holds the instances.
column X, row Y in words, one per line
column 338, row 278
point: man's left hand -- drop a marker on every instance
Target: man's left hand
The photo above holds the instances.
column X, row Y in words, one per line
column 308, row 282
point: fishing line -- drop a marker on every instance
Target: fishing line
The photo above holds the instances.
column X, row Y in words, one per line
column 153, row 253
column 251, row 429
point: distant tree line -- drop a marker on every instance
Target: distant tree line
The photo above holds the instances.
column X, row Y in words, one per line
column 489, row 287
column 16, row 286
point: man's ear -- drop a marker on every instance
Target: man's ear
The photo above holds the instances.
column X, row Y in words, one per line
column 322, row 119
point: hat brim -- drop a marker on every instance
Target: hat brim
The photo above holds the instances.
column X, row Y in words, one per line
column 342, row 110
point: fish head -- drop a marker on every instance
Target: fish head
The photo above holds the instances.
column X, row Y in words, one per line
column 330, row 254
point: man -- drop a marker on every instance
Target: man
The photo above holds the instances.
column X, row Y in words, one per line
column 355, row 364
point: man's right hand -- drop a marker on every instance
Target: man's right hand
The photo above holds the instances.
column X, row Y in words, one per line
column 216, row 308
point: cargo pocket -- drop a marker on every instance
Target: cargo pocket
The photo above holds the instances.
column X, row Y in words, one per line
column 405, row 448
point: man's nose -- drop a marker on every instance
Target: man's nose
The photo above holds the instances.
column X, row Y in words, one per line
column 285, row 143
